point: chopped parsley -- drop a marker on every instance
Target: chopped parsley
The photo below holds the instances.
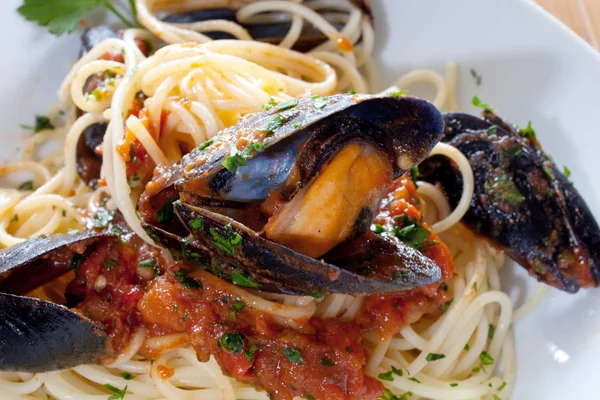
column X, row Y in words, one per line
column 514, row 152
column 287, row 105
column 102, row 217
column 238, row 305
column 476, row 76
column 434, row 356
column 548, row 173
column 492, row 131
column 232, row 341
column 528, row 132
column 566, row 172
column 76, row 262
column 132, row 153
column 476, row 370
column 377, row 228
column 308, row 396
column 147, row 263
column 475, row 286
column 185, row 281
column 414, row 380
column 61, row 16
column 317, row 295
column 503, row 188
column 352, row 91
column 485, row 358
column 228, row 242
column 165, row 214
column 326, row 362
column 238, row 159
column 478, row 103
column 387, row 376
column 127, row 376
column 110, row 263
column 293, row 355
column 349, row 349
column 197, row 223
column 389, row 395
column 26, row 186
column 397, row 93
column 467, row 347
column 296, row 124
column 73, row 231
column 118, row 393
column 275, row 123
column 497, row 398
column 453, row 384
column 414, row 175
column 240, row 279
column 446, row 305
column 319, row 102
column 397, row 371
column 491, row 331
column 502, row 386
column 42, row 123
column 413, row 235
column 205, row 144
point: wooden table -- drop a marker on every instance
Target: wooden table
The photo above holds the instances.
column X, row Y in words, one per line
column 583, row 16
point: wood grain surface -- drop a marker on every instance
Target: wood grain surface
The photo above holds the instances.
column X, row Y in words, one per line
column 583, row 16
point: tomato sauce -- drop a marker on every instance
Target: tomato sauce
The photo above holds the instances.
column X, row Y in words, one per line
column 324, row 359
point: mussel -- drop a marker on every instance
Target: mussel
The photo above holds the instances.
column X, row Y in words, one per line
column 38, row 335
column 270, row 32
column 522, row 202
column 271, row 198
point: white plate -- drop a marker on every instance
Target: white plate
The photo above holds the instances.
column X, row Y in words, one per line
column 533, row 68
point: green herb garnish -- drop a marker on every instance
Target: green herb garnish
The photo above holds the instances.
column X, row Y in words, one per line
column 197, row 223
column 446, row 305
column 478, row 103
column 453, row 384
column 413, row 235
column 147, row 263
column 165, row 214
column 275, row 123
column 42, row 123
column 528, row 132
column 293, row 355
column 238, row 159
column 485, row 358
column 397, row 93
column 387, row 376
column 185, row 281
column 240, row 279
column 228, row 242
column 118, row 393
column 127, row 376
column 233, row 341
column 205, row 144
column 476, row 76
column 63, row 16
column 110, row 263
column 287, row 105
column 76, row 262
column 491, row 331
column 317, row 295
column 26, row 186
column 326, row 362
column 435, row 356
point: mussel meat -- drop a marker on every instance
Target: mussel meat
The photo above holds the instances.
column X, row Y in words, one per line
column 522, row 202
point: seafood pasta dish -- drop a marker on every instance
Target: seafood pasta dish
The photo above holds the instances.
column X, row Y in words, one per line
column 232, row 208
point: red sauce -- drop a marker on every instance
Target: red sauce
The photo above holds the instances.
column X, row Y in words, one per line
column 323, row 358
column 165, row 372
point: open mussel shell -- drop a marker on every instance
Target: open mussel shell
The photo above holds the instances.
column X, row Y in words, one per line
column 37, row 335
column 234, row 249
column 40, row 336
column 522, row 202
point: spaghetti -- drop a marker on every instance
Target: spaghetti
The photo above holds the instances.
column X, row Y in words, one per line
column 204, row 86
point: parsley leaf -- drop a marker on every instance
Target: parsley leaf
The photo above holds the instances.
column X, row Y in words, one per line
column 476, row 76
column 228, row 242
column 293, row 355
column 165, row 214
column 118, row 393
column 491, row 331
column 205, row 144
column 233, row 341
column 127, row 376
column 485, row 358
column 287, row 105
column 317, row 295
column 387, row 376
column 326, row 362
column 197, row 223
column 398, row 93
column 63, row 16
column 42, row 123
column 434, row 356
column 242, row 280
column 239, row 159
column 26, row 186
column 528, row 132
column 413, row 235
column 478, row 103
